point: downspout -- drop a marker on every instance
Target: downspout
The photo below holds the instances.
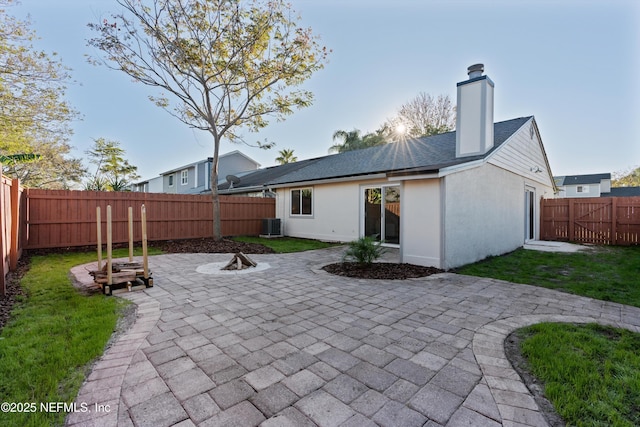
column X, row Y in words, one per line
column 443, row 223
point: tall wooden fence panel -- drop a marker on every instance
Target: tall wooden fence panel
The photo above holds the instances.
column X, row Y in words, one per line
column 12, row 209
column 594, row 220
column 58, row 218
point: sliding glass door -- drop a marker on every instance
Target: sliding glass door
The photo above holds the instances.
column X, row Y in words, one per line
column 382, row 213
column 530, row 214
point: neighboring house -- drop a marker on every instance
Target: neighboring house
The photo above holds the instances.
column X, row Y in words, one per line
column 195, row 178
column 594, row 185
column 253, row 184
column 153, row 185
column 444, row 200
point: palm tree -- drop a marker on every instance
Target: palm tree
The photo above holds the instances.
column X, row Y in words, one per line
column 353, row 141
column 286, row 156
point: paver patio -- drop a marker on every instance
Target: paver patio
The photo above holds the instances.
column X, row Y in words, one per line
column 292, row 345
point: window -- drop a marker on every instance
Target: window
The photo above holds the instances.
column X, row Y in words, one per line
column 170, row 180
column 582, row 189
column 301, row 201
column 184, row 177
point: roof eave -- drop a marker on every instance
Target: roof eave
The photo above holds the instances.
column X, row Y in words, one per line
column 345, row 178
column 237, row 190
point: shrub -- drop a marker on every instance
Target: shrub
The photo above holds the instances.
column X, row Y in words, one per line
column 365, row 250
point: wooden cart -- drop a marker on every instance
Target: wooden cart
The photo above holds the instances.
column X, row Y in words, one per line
column 123, row 275
column 117, row 275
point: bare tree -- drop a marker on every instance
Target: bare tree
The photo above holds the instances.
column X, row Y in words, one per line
column 423, row 115
column 626, row 178
column 226, row 65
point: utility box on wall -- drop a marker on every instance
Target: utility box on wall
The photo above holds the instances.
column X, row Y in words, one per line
column 271, row 227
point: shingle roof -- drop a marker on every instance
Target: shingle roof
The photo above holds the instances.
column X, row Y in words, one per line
column 413, row 156
column 261, row 176
column 581, row 179
column 623, row 192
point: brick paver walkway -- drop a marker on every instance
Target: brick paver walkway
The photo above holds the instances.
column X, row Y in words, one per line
column 295, row 346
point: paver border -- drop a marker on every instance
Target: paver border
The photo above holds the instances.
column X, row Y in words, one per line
column 100, row 393
column 499, row 374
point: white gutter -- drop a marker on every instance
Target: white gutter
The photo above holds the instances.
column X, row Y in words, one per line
column 414, row 177
column 329, row 181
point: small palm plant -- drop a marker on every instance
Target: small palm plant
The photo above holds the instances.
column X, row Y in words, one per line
column 364, row 251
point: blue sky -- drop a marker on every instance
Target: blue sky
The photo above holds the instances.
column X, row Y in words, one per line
column 574, row 65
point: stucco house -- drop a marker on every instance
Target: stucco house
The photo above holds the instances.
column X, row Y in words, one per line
column 444, row 200
column 593, row 185
column 195, row 178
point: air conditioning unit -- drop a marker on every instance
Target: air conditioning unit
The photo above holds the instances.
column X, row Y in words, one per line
column 271, row 227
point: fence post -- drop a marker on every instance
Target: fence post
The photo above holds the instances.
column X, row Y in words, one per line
column 15, row 223
column 2, row 236
column 614, row 221
column 543, row 231
column 572, row 230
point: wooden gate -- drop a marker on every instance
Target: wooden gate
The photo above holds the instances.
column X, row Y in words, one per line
column 594, row 220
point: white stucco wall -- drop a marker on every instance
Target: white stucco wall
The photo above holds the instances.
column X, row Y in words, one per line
column 421, row 223
column 484, row 213
column 336, row 214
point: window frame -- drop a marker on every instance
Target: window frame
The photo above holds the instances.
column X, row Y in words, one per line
column 184, row 177
column 171, row 180
column 300, row 203
column 582, row 189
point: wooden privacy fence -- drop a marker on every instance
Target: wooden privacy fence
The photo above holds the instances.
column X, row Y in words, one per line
column 594, row 220
column 59, row 218
column 12, row 209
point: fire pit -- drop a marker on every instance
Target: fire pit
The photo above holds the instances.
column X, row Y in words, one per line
column 239, row 264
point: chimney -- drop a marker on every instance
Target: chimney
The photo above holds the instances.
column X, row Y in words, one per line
column 474, row 123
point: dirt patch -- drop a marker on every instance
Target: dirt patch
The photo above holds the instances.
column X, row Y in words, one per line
column 211, row 246
column 207, row 246
column 380, row 270
column 13, row 290
column 519, row 363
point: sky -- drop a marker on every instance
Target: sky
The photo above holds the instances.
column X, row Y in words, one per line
column 574, row 65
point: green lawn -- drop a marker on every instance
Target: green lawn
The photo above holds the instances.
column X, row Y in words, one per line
column 54, row 334
column 283, row 245
column 591, row 373
column 605, row 273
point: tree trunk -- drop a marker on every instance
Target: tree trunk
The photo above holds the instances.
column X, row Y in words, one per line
column 215, row 197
